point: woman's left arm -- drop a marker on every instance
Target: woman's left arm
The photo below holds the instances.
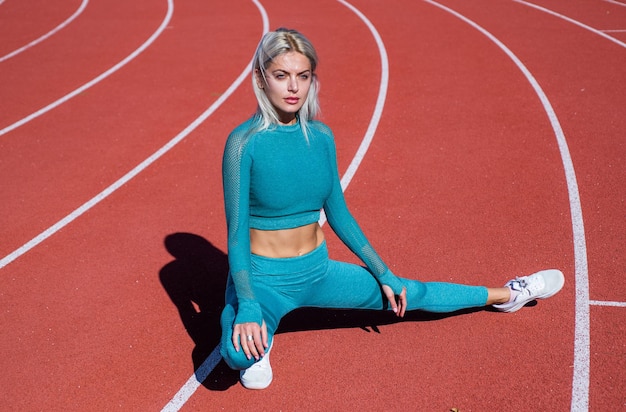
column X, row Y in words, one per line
column 348, row 230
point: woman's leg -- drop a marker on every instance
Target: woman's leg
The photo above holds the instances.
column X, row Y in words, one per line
column 351, row 286
column 280, row 286
column 273, row 307
column 234, row 359
column 498, row 295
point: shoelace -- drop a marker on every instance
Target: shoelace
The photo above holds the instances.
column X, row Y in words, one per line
column 525, row 287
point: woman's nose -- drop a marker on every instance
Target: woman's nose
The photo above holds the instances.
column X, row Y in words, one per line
column 293, row 85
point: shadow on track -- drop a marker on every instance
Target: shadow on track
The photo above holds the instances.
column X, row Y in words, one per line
column 195, row 282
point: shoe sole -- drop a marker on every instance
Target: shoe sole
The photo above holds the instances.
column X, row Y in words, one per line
column 249, row 385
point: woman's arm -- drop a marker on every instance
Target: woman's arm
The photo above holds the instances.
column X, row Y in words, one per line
column 348, row 230
column 249, row 329
column 236, row 165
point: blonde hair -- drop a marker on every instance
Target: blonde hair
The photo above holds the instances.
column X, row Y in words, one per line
column 272, row 45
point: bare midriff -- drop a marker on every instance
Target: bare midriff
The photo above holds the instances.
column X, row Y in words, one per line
column 286, row 242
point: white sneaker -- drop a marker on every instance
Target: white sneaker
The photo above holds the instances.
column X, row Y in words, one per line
column 259, row 375
column 540, row 285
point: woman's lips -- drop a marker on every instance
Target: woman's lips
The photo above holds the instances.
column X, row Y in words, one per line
column 292, row 100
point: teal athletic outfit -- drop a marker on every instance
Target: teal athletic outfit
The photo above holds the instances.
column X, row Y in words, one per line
column 280, row 178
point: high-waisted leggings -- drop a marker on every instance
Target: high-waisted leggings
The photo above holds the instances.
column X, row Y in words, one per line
column 313, row 280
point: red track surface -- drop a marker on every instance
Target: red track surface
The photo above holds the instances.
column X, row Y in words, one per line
column 464, row 182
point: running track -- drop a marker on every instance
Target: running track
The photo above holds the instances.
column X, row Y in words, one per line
column 482, row 140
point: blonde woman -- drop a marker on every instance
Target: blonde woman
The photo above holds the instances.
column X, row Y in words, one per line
column 279, row 172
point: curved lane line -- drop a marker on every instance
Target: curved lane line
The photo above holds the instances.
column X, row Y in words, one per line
column 207, row 366
column 378, row 110
column 129, row 58
column 188, row 389
column 576, row 22
column 616, row 2
column 380, row 102
column 128, row 176
column 580, row 385
column 82, row 7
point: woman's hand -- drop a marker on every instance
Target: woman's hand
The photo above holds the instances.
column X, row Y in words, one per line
column 399, row 306
column 253, row 339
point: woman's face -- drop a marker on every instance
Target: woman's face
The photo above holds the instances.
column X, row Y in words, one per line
column 287, row 83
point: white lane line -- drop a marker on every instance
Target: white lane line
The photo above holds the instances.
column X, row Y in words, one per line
column 380, row 101
column 607, row 303
column 576, row 22
column 193, row 383
column 188, row 389
column 47, row 35
column 207, row 366
column 580, row 385
column 619, row 3
column 378, row 109
column 129, row 58
column 127, row 177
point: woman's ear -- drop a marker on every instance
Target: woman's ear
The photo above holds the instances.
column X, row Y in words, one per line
column 259, row 78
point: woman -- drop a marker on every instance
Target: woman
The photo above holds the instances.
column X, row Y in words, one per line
column 279, row 171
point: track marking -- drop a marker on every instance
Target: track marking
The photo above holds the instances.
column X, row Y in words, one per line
column 607, row 303
column 576, row 22
column 128, row 176
column 378, row 110
column 188, row 389
column 380, row 102
column 580, row 384
column 207, row 366
column 128, row 59
column 194, row 382
column 616, row 2
column 47, row 35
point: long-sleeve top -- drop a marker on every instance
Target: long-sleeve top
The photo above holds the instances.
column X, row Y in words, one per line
column 280, row 178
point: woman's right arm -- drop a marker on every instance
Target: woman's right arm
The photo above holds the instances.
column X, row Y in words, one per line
column 236, row 166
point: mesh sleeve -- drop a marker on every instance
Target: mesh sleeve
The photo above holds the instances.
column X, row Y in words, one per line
column 348, row 230
column 236, row 165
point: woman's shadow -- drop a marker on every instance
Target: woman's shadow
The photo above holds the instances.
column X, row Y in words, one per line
column 196, row 280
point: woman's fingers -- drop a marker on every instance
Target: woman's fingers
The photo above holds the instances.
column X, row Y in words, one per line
column 391, row 298
column 402, row 303
column 247, row 342
column 252, row 338
column 398, row 306
column 258, row 343
column 235, row 337
column 264, row 337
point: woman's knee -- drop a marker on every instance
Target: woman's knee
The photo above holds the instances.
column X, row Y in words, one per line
column 234, row 359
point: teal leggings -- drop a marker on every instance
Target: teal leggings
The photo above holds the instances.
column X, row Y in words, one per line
column 313, row 280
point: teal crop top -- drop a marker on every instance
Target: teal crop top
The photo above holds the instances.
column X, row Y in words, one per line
column 278, row 178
